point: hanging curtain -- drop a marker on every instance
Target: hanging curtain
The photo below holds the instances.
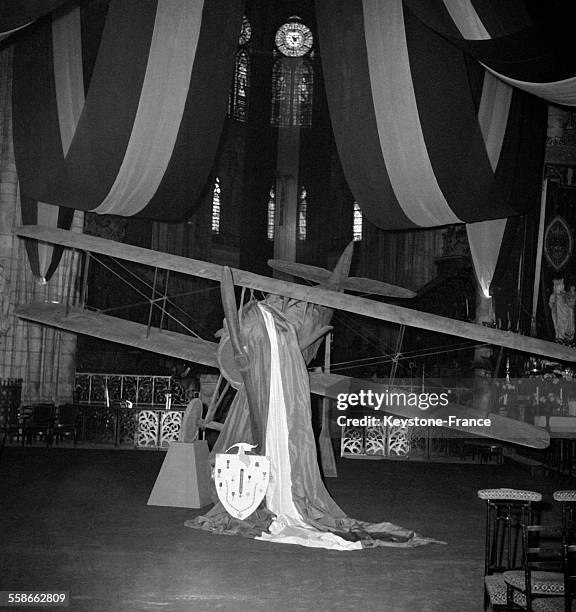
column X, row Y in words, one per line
column 44, row 357
column 485, row 237
column 69, row 78
column 522, row 54
column 405, row 113
column 18, row 14
column 148, row 131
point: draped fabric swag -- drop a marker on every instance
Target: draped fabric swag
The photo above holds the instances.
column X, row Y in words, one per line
column 414, row 152
column 401, row 79
column 144, row 141
column 18, row 14
column 42, row 356
column 69, row 79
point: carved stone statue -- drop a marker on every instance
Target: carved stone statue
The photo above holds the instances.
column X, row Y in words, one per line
column 562, row 309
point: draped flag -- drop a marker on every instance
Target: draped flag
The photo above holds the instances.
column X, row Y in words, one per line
column 69, row 78
column 418, row 146
column 298, row 508
column 485, row 237
column 148, row 131
column 481, row 21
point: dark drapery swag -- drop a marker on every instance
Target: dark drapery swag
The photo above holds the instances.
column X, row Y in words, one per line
column 17, row 14
column 144, row 139
column 402, row 81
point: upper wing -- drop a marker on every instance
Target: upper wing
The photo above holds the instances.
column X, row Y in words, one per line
column 323, row 277
column 324, row 297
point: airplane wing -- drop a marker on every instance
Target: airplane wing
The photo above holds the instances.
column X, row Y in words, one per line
column 501, row 428
column 323, row 297
column 321, row 276
column 327, row 385
column 105, row 327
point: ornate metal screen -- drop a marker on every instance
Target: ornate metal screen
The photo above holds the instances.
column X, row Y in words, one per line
column 149, row 421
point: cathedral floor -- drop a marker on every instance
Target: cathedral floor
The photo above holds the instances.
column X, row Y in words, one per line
column 77, row 520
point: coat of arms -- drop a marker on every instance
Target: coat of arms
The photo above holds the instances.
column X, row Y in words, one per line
column 241, row 480
column 558, row 243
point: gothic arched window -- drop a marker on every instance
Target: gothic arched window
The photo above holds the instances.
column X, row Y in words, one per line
column 238, row 99
column 271, row 213
column 292, row 92
column 216, row 207
column 302, row 214
column 357, row 223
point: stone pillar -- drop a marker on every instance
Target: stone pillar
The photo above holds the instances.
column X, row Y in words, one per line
column 286, row 221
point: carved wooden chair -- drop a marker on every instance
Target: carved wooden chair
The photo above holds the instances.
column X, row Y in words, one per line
column 568, row 602
column 39, row 423
column 567, row 499
column 66, row 424
column 11, row 426
column 542, row 578
column 506, row 510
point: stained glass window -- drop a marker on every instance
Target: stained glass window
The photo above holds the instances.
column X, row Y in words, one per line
column 271, row 213
column 292, row 92
column 245, row 31
column 302, row 214
column 357, row 223
column 216, row 207
column 238, row 98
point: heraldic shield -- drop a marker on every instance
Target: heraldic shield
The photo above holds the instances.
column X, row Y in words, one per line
column 241, row 480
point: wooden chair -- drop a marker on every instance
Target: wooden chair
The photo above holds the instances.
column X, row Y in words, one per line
column 40, row 422
column 506, row 510
column 567, row 499
column 11, row 427
column 568, row 602
column 66, row 424
column 542, row 577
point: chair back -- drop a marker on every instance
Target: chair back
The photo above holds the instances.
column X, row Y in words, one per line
column 569, row 575
column 567, row 499
column 67, row 415
column 42, row 415
column 543, row 552
column 13, row 416
column 507, row 510
column 543, row 547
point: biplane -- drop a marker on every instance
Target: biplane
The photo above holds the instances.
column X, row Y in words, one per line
column 310, row 306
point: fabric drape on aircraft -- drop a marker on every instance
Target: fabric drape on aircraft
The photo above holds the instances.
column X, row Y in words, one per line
column 149, row 128
column 298, row 507
column 404, row 105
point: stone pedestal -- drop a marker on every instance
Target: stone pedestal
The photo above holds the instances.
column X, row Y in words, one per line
column 184, row 478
